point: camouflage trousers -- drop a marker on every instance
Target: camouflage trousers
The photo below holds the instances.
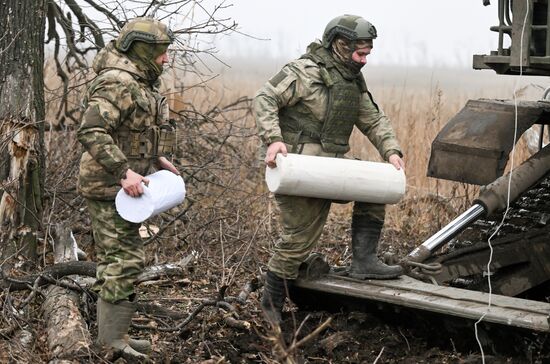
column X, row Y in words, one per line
column 119, row 251
column 303, row 219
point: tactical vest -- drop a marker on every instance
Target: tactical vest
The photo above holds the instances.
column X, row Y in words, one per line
column 153, row 139
column 298, row 125
column 145, row 134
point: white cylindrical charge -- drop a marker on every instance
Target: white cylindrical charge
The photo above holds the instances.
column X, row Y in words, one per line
column 165, row 190
column 336, row 179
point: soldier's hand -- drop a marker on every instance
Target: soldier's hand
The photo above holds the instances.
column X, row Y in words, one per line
column 397, row 162
column 132, row 183
column 166, row 164
column 272, row 151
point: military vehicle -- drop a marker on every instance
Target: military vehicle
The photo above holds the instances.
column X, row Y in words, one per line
column 474, row 147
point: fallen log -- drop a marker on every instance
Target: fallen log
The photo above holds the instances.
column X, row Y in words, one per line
column 88, row 269
column 68, row 335
column 55, row 271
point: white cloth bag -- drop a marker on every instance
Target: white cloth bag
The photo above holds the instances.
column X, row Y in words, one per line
column 165, row 190
column 336, row 179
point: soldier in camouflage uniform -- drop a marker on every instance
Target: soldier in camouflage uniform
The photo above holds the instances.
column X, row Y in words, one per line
column 310, row 107
column 125, row 133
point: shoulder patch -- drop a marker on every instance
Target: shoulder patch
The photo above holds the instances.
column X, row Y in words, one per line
column 276, row 80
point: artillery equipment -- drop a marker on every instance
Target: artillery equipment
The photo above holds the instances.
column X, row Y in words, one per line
column 474, row 147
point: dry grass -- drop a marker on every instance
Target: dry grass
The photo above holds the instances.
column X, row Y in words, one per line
column 418, row 103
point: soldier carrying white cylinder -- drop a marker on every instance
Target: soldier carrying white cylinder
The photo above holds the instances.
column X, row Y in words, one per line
column 310, row 107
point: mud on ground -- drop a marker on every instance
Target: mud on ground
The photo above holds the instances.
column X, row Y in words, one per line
column 349, row 337
column 210, row 337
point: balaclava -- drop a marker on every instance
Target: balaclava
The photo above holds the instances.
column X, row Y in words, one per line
column 144, row 55
column 343, row 48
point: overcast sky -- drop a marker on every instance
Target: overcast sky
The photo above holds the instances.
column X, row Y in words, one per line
column 426, row 32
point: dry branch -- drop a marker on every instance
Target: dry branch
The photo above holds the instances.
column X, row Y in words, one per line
column 157, row 310
column 310, row 336
column 165, row 270
column 333, row 341
column 230, row 315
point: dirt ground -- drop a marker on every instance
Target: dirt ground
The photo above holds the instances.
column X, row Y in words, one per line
column 235, row 331
column 239, row 334
column 350, row 337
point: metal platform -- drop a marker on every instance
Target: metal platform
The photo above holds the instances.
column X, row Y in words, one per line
column 474, row 146
column 409, row 292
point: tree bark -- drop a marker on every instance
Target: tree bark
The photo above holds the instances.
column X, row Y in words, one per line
column 21, row 124
column 68, row 336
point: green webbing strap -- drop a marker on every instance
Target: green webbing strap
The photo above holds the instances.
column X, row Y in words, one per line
column 296, row 141
column 155, row 133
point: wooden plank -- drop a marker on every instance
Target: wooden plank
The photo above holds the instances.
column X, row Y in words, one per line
column 409, row 292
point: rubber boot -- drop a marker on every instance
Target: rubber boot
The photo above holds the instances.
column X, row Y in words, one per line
column 273, row 299
column 143, row 346
column 365, row 233
column 113, row 323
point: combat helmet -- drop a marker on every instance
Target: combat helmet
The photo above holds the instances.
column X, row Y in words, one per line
column 143, row 29
column 352, row 27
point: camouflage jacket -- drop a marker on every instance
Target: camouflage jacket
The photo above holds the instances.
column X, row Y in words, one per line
column 124, row 125
column 300, row 81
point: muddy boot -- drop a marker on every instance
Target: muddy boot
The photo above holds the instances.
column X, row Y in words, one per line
column 113, row 324
column 143, row 346
column 273, row 298
column 365, row 233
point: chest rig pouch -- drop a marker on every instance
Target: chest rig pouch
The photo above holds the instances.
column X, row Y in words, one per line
column 299, row 125
column 147, row 134
column 166, row 138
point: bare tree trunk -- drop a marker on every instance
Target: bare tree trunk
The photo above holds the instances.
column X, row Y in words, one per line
column 21, row 124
